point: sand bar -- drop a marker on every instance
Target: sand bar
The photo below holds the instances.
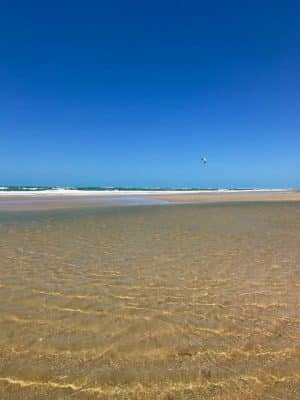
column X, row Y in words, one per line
column 232, row 196
column 62, row 199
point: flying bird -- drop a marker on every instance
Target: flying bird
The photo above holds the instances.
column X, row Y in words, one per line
column 204, row 160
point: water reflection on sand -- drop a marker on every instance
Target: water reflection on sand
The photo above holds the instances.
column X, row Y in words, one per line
column 164, row 302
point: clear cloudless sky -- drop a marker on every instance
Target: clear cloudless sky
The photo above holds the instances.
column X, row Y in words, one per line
column 136, row 92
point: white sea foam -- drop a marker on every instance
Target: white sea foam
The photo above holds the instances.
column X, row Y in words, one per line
column 34, row 192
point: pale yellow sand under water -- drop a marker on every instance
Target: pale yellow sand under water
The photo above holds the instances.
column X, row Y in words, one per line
column 156, row 302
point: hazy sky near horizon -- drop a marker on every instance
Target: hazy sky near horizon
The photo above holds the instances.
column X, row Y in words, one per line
column 134, row 93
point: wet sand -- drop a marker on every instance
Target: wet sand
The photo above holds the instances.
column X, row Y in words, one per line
column 195, row 301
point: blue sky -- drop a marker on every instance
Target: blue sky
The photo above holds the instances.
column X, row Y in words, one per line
column 133, row 93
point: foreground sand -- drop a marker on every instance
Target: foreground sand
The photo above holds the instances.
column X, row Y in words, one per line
column 181, row 302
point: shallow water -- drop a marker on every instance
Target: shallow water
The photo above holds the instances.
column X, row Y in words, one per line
column 151, row 302
column 32, row 203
